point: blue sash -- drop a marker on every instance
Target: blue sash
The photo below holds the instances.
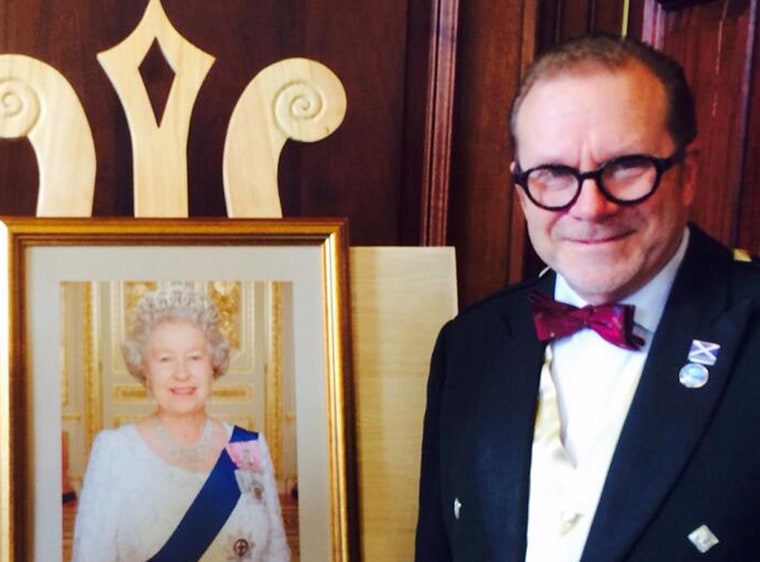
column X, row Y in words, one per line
column 209, row 511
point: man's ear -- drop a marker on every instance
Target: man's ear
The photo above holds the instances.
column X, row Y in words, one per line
column 521, row 197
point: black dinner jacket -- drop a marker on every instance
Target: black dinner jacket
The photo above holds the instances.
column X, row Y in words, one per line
column 685, row 457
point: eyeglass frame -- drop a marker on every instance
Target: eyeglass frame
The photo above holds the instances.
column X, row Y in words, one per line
column 661, row 166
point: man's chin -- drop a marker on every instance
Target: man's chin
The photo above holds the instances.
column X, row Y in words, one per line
column 598, row 286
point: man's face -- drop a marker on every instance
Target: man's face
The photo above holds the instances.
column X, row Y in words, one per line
column 584, row 119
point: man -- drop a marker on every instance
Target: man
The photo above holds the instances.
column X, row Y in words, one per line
column 562, row 436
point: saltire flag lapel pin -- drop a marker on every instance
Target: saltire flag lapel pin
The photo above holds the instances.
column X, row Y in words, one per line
column 702, row 354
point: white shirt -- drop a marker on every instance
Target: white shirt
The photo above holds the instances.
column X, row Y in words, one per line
column 594, row 382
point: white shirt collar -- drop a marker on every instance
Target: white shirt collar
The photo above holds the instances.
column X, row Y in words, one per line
column 649, row 300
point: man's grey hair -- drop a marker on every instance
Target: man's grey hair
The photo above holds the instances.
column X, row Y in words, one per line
column 615, row 53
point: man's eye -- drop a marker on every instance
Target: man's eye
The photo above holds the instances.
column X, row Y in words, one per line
column 629, row 166
column 632, row 161
column 550, row 173
column 552, row 177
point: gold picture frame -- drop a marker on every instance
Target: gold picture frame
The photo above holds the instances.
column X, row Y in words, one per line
column 41, row 254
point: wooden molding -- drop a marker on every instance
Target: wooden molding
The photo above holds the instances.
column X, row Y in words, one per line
column 439, row 122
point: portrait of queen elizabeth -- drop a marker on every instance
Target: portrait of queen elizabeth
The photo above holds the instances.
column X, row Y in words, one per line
column 178, row 484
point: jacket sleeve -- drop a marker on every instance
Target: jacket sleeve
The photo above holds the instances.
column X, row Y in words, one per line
column 432, row 543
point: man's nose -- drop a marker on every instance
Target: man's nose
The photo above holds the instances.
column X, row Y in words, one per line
column 591, row 202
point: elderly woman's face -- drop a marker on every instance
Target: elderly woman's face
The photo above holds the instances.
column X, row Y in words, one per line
column 178, row 367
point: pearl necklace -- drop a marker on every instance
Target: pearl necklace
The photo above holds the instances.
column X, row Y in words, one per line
column 190, row 456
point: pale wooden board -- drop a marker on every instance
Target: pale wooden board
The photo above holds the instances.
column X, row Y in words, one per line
column 400, row 299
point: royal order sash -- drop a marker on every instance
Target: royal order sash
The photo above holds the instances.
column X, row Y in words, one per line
column 209, row 511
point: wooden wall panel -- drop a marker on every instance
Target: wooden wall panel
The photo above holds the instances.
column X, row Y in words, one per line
column 481, row 205
column 575, row 16
column 367, row 170
column 18, row 182
column 714, row 41
column 748, row 214
column 608, row 16
column 547, row 23
column 562, row 19
column 386, row 167
column 432, row 47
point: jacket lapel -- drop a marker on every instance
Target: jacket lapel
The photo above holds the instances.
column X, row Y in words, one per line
column 505, row 428
column 666, row 420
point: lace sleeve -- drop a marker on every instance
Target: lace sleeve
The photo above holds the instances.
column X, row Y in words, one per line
column 278, row 550
column 95, row 528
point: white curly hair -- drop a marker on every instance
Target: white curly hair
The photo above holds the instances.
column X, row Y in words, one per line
column 165, row 305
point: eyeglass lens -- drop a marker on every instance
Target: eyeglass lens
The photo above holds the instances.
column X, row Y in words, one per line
column 628, row 178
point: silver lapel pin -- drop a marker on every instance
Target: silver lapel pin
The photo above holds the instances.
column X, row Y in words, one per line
column 703, row 538
column 702, row 354
column 693, row 375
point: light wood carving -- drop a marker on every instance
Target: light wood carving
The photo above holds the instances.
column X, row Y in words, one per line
column 159, row 150
column 38, row 103
column 296, row 98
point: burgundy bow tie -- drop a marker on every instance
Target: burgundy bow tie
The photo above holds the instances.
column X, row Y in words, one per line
column 613, row 322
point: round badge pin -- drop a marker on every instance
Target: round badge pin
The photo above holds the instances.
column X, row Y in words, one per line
column 693, row 375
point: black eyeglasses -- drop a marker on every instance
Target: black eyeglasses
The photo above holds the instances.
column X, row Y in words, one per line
column 626, row 180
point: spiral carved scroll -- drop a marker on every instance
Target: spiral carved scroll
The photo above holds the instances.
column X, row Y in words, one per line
column 299, row 99
column 19, row 108
column 299, row 111
column 37, row 102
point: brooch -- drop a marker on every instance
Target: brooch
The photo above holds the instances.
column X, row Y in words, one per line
column 249, row 468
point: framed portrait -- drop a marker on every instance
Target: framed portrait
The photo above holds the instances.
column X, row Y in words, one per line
column 69, row 297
